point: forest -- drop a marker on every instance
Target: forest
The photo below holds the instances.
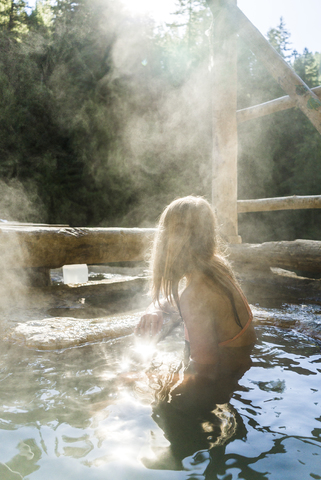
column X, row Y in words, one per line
column 105, row 117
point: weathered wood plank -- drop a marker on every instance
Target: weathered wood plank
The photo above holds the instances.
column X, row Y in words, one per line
column 300, row 255
column 51, row 247
column 293, row 202
column 276, row 105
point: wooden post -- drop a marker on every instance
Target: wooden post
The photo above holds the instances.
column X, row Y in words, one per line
column 286, row 77
column 224, row 104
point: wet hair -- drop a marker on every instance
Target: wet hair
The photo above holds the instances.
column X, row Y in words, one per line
column 187, row 240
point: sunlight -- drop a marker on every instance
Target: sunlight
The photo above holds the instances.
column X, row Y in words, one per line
column 160, row 11
column 144, row 350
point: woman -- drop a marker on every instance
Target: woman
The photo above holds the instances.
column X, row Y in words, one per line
column 215, row 312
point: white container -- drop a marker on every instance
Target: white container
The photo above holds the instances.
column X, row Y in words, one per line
column 74, row 274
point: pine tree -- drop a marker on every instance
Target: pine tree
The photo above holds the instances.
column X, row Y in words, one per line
column 279, row 38
column 13, row 17
column 193, row 19
column 41, row 16
column 279, row 154
column 307, row 68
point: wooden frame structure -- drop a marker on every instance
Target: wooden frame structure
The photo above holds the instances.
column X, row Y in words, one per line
column 229, row 21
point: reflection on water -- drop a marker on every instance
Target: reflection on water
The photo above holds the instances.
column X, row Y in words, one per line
column 194, row 412
column 110, row 410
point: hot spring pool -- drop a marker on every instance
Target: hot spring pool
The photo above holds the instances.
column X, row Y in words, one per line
column 88, row 413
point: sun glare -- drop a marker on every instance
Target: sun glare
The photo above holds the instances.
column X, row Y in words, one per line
column 160, row 11
column 144, row 350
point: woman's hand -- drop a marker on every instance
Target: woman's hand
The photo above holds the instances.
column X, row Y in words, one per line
column 150, row 324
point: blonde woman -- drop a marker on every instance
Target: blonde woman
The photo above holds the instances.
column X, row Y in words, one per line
column 216, row 314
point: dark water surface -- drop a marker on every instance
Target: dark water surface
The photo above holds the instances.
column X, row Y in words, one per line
column 105, row 411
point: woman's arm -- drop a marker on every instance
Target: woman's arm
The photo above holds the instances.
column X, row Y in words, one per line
column 152, row 321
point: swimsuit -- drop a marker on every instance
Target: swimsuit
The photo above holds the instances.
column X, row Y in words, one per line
column 248, row 323
column 246, row 326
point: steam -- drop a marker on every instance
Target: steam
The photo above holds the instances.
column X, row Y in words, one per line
column 152, row 135
column 166, row 126
column 17, row 204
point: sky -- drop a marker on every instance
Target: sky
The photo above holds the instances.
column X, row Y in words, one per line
column 302, row 18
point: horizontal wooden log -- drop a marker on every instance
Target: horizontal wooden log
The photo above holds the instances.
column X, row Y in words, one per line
column 51, row 247
column 299, row 255
column 28, row 224
column 279, row 203
column 276, row 105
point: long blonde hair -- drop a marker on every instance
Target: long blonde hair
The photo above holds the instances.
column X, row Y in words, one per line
column 187, row 240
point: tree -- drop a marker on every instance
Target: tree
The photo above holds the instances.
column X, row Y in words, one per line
column 193, row 19
column 279, row 154
column 307, row 68
column 41, row 17
column 52, row 102
column 279, row 38
column 13, row 16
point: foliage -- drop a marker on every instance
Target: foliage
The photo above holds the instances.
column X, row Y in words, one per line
column 105, row 118
column 279, row 38
column 280, row 154
column 13, row 17
column 54, row 116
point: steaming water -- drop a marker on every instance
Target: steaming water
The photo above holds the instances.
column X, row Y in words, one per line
column 89, row 412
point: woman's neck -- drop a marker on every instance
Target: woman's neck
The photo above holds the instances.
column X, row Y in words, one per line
column 194, row 276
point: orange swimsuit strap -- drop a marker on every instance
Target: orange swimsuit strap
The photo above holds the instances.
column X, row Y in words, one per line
column 246, row 326
column 248, row 323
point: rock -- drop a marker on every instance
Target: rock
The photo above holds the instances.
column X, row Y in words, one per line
column 63, row 332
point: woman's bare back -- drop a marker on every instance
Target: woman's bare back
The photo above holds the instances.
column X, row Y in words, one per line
column 210, row 320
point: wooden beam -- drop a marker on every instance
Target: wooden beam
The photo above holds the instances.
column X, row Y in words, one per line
column 279, row 203
column 276, row 105
column 224, row 104
column 291, row 83
column 52, row 247
column 28, row 224
column 300, row 255
column 29, row 247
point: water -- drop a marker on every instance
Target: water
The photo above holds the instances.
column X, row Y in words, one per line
column 90, row 412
